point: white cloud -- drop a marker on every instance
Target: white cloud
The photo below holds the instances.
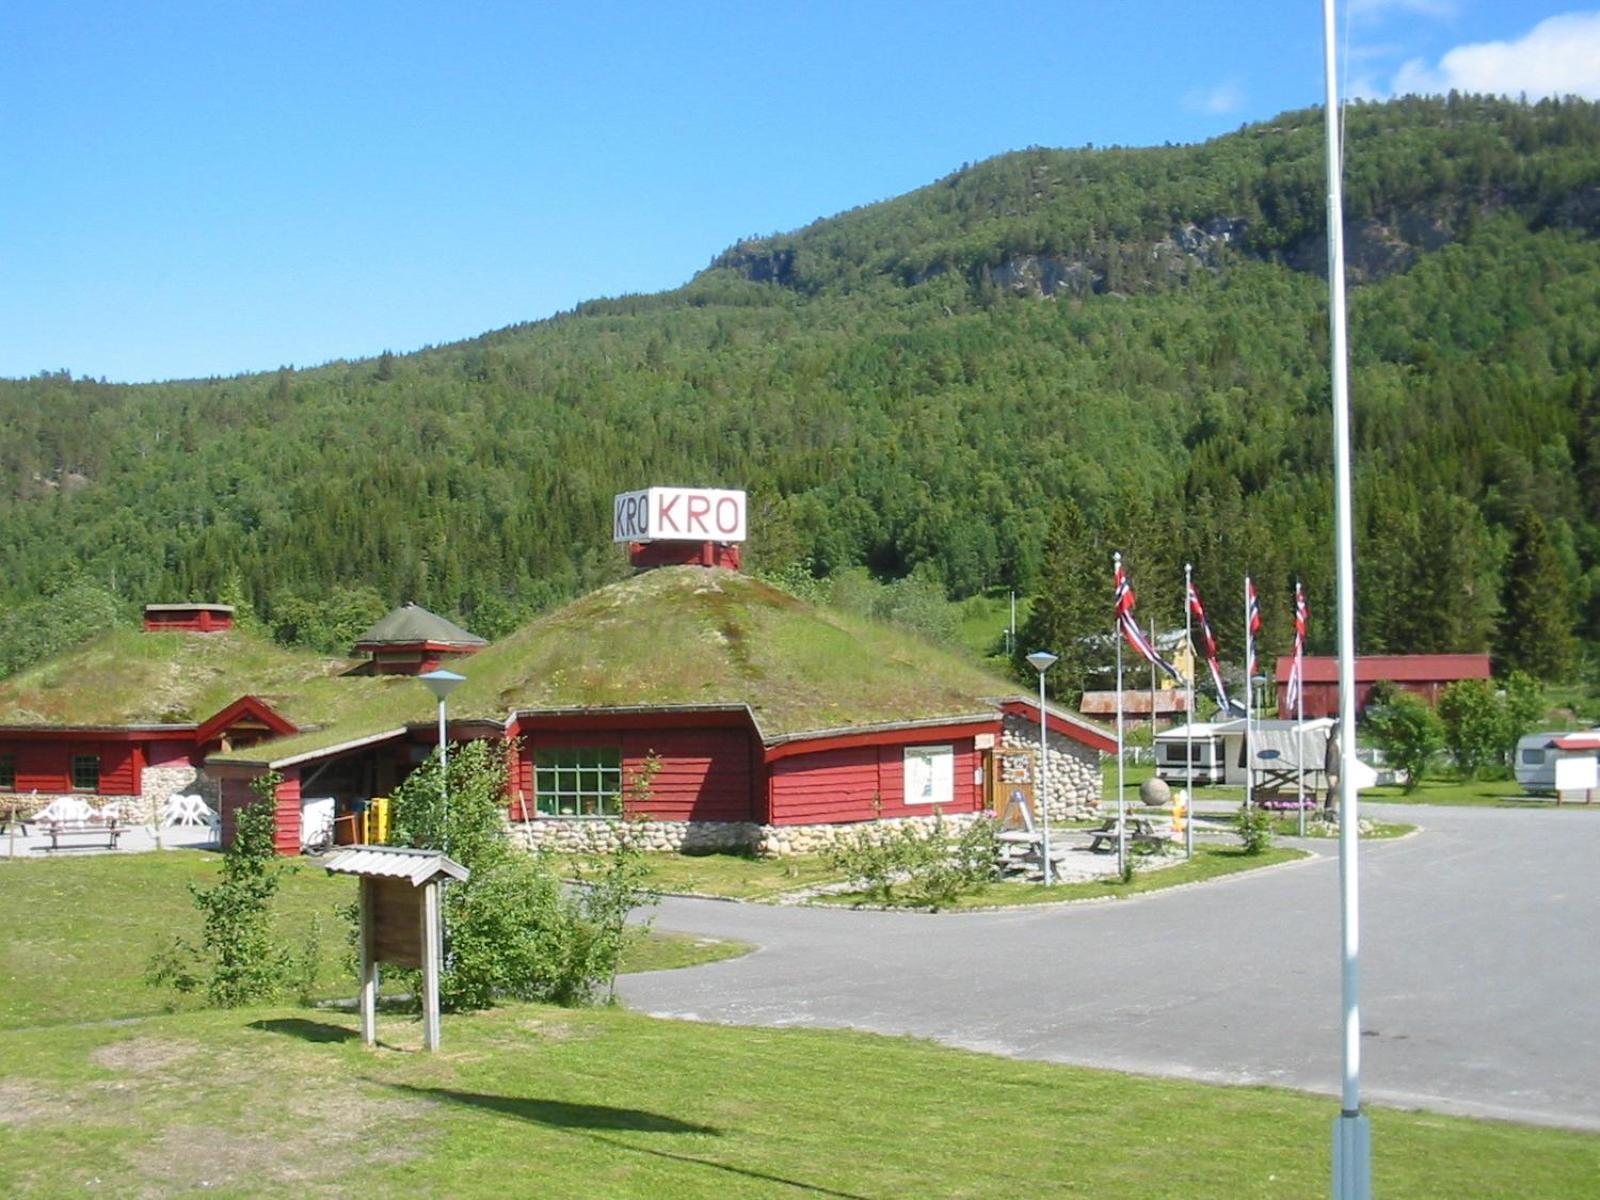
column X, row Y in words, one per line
column 1557, row 57
column 1226, row 97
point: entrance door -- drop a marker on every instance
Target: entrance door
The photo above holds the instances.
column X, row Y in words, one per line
column 1010, row 769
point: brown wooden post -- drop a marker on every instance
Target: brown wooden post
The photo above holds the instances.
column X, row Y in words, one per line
column 430, row 965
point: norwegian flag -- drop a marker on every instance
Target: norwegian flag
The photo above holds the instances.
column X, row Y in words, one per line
column 1302, row 616
column 1210, row 645
column 1130, row 627
column 1252, row 624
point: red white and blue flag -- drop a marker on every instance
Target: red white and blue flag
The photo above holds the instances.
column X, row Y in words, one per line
column 1130, row 627
column 1302, row 616
column 1209, row 644
column 1252, row 608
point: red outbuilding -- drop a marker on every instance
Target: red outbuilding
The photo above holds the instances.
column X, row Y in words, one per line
column 1424, row 675
column 193, row 617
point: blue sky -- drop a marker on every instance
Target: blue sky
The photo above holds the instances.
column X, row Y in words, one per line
column 194, row 189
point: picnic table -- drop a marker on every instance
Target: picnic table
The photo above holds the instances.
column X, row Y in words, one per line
column 12, row 817
column 1140, row 832
column 1022, row 851
column 110, row 830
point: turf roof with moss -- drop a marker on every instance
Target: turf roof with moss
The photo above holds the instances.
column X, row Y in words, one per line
column 689, row 636
column 131, row 677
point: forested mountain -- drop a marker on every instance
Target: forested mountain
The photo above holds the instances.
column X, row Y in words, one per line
column 923, row 385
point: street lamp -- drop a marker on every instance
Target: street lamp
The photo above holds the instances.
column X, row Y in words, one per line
column 1041, row 661
column 441, row 683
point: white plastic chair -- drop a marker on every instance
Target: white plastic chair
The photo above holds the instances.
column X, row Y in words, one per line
column 64, row 808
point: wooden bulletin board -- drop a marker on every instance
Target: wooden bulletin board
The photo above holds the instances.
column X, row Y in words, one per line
column 397, row 915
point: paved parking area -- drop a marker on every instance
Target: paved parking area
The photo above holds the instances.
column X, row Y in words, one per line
column 1480, row 958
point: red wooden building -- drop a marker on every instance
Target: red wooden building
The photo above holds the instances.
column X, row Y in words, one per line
column 193, row 617
column 1424, row 675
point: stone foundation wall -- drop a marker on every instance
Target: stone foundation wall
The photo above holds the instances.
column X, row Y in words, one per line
column 592, row 836
column 1072, row 778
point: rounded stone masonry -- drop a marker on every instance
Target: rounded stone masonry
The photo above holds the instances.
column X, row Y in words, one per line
column 592, row 835
column 1073, row 775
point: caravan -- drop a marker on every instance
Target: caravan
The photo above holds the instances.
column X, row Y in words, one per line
column 1219, row 753
column 1537, row 754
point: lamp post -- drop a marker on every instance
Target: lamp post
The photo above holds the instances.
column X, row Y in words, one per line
column 441, row 683
column 1041, row 661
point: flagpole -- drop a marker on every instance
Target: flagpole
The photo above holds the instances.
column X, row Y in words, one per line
column 1352, row 1137
column 1116, row 636
column 1249, row 704
column 1188, row 738
column 1299, row 712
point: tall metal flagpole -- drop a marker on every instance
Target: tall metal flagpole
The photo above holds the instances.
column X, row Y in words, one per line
column 1188, row 738
column 1116, row 636
column 1352, row 1136
column 1249, row 704
column 1299, row 715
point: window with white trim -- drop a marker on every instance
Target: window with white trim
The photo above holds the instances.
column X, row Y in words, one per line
column 578, row 781
column 930, row 774
column 86, row 772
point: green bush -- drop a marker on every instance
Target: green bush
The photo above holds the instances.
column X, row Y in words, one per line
column 240, row 959
column 512, row 929
column 1254, row 828
column 1410, row 733
column 900, row 863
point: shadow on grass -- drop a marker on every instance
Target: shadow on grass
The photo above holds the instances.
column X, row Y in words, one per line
column 306, row 1031
column 593, row 1121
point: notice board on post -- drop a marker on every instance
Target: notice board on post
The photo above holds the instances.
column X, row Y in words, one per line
column 397, row 916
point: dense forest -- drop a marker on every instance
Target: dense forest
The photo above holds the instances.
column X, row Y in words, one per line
column 991, row 382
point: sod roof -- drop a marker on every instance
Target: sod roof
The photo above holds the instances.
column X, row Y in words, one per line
column 132, row 677
column 412, row 623
column 686, row 635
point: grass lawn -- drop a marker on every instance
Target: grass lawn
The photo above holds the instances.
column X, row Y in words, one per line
column 1209, row 862
column 82, row 929
column 530, row 1100
column 1289, row 826
column 1492, row 793
column 739, row 876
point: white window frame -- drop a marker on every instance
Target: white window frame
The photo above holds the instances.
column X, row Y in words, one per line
column 930, row 775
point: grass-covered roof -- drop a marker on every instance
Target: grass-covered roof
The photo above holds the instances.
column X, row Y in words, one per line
column 131, row 677
column 688, row 635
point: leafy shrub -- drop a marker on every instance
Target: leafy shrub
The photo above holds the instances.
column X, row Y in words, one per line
column 1254, row 828
column 512, row 929
column 240, row 959
column 1410, row 733
column 893, row 863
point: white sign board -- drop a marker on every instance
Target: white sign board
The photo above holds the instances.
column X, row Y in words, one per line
column 1577, row 774
column 930, row 774
column 675, row 514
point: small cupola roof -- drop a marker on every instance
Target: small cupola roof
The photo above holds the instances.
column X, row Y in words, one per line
column 411, row 625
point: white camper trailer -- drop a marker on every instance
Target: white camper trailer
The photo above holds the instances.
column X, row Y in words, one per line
column 1219, row 753
column 1538, row 753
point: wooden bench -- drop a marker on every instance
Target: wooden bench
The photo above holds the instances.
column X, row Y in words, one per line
column 109, row 830
column 1140, row 832
column 11, row 817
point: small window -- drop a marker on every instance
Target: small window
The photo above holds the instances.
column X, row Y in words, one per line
column 1533, row 756
column 86, row 772
column 8, row 772
column 578, row 781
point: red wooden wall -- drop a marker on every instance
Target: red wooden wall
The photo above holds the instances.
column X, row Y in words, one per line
column 236, row 794
column 706, row 774
column 857, row 783
column 45, row 764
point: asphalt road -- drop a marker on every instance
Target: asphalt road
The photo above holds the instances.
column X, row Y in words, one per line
column 1480, row 972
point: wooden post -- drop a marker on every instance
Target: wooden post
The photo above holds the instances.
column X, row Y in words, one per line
column 369, row 968
column 430, row 965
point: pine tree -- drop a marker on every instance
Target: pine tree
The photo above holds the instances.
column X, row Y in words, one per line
column 1536, row 618
column 1073, row 604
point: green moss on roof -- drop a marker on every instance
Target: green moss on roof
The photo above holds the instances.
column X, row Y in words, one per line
column 413, row 623
column 691, row 635
column 130, row 677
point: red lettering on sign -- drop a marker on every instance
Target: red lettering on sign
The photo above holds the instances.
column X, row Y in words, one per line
column 699, row 509
column 669, row 523
column 728, row 524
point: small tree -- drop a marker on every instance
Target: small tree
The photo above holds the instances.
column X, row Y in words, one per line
column 239, row 960
column 1410, row 733
column 1474, row 722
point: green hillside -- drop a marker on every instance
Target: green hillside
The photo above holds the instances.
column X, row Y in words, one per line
column 690, row 635
column 924, row 384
